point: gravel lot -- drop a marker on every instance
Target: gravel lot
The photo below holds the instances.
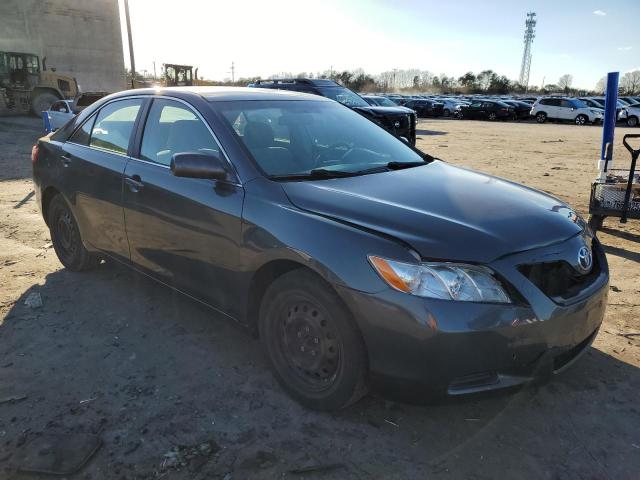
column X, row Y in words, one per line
column 176, row 392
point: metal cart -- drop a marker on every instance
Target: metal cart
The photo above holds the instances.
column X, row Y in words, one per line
column 618, row 195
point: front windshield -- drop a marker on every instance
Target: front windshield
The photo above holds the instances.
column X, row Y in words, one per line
column 344, row 96
column 288, row 137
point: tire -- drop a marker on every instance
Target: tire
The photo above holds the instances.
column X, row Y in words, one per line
column 66, row 239
column 313, row 344
column 446, row 112
column 595, row 222
column 632, row 121
column 581, row 120
column 41, row 102
column 492, row 116
column 541, row 117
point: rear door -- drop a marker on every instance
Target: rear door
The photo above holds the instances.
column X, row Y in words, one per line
column 94, row 159
column 184, row 232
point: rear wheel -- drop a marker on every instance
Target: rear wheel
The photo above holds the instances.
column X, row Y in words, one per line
column 541, row 117
column 66, row 239
column 313, row 344
column 581, row 120
column 446, row 112
column 632, row 121
column 492, row 116
column 41, row 102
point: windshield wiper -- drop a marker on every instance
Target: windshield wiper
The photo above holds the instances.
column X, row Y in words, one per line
column 401, row 165
column 318, row 173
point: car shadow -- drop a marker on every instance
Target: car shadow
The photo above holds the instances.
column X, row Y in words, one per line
column 422, row 131
column 111, row 352
column 632, row 237
column 622, row 252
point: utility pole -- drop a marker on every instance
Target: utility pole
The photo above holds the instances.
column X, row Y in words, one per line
column 529, row 35
column 394, row 78
column 131, row 59
column 233, row 72
column 154, row 70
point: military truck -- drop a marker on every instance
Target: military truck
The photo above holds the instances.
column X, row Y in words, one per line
column 25, row 87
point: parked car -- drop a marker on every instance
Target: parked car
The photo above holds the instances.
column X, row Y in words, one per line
column 426, row 108
column 522, row 109
column 450, row 105
column 357, row 259
column 572, row 109
column 632, row 101
column 379, row 101
column 632, row 115
column 60, row 113
column 592, row 102
column 396, row 120
column 487, row 110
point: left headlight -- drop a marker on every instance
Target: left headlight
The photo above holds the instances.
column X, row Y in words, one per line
column 445, row 281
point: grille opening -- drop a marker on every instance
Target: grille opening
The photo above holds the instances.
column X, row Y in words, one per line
column 473, row 381
column 559, row 279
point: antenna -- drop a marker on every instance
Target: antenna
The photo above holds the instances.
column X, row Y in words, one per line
column 529, row 35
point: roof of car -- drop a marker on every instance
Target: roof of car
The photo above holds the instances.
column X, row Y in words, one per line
column 222, row 94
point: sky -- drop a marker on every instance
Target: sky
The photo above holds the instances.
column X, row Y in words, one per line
column 583, row 38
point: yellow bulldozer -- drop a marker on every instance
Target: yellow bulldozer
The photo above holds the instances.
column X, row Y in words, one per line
column 26, row 87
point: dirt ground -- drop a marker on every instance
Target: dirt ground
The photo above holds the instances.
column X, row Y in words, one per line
column 175, row 392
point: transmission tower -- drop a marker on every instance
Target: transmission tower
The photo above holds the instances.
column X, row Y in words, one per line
column 529, row 35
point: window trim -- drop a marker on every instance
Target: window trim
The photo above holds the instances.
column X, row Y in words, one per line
column 135, row 154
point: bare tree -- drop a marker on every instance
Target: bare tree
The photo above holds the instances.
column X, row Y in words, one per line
column 601, row 86
column 565, row 81
column 630, row 83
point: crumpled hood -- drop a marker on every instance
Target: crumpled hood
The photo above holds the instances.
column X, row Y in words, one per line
column 442, row 211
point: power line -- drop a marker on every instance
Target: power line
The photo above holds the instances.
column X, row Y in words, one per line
column 529, row 35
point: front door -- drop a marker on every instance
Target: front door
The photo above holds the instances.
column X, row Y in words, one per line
column 183, row 231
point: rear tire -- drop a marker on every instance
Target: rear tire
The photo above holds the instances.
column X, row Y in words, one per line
column 312, row 342
column 541, row 117
column 66, row 239
column 41, row 102
column 446, row 112
column 632, row 121
column 581, row 120
column 492, row 116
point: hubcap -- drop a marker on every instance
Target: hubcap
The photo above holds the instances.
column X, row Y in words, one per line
column 309, row 343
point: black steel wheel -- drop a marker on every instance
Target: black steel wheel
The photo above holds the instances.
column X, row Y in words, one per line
column 314, row 347
column 66, row 239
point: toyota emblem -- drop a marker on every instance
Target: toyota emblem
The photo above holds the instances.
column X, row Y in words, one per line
column 396, row 124
column 585, row 259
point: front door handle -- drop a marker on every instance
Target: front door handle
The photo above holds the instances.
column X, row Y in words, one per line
column 135, row 183
column 66, row 159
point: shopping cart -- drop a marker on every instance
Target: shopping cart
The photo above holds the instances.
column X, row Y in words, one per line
column 618, row 195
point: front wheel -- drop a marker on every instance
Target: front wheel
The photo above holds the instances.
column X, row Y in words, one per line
column 66, row 239
column 41, row 102
column 492, row 116
column 595, row 222
column 446, row 112
column 581, row 120
column 312, row 342
column 541, row 117
column 632, row 121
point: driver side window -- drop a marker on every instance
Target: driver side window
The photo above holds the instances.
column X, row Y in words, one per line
column 172, row 127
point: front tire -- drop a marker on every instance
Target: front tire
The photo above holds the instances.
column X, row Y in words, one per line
column 42, row 102
column 595, row 222
column 66, row 239
column 632, row 121
column 312, row 342
column 492, row 116
column 541, row 117
column 581, row 120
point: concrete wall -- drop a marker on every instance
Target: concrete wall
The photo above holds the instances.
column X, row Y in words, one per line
column 81, row 38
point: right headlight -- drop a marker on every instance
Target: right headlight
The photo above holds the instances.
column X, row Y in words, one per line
column 445, row 281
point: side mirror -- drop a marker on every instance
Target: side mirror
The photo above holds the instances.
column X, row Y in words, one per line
column 198, row 165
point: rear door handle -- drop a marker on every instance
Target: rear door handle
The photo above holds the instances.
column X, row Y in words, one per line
column 135, row 184
column 66, row 159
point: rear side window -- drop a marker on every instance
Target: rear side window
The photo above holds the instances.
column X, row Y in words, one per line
column 172, row 127
column 83, row 134
column 113, row 126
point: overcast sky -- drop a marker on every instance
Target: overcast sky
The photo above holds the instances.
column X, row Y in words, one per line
column 585, row 38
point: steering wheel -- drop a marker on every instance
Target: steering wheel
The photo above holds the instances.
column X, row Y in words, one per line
column 334, row 147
